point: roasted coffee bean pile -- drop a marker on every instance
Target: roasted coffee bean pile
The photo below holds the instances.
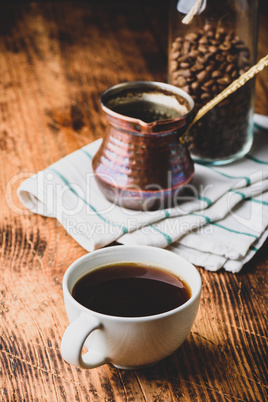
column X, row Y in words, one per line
column 203, row 63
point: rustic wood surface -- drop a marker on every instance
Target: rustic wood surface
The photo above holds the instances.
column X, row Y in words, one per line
column 55, row 60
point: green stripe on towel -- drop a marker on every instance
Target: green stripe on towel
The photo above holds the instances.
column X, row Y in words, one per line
column 234, row 231
column 229, row 176
column 87, row 153
column 167, row 214
column 207, row 200
column 208, row 220
column 166, row 236
column 242, row 195
column 253, row 248
column 124, row 229
column 249, row 198
column 257, row 201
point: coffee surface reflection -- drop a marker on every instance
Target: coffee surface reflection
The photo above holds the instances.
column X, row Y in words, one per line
column 130, row 290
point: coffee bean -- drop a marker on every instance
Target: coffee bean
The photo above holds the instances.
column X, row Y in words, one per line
column 185, row 47
column 221, row 87
column 207, row 27
column 210, row 68
column 181, row 81
column 202, row 76
column 210, row 33
column 212, row 49
column 216, row 74
column 219, row 57
column 234, row 74
column 224, row 80
column 219, row 36
column 201, row 60
column 197, row 67
column 203, row 63
column 191, row 36
column 205, row 88
column 183, row 59
column 222, row 67
column 193, row 54
column 184, row 73
column 176, row 46
column 195, row 86
column 185, row 65
column 231, row 58
column 202, row 49
column 209, row 83
column 186, row 88
column 205, row 96
column 203, row 40
column 225, row 46
column 230, row 68
column 225, row 102
column 173, row 65
column 175, row 55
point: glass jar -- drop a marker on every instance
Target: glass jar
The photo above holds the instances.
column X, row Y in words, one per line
column 205, row 56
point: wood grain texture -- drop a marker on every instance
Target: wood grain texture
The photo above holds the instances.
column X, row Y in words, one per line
column 55, row 60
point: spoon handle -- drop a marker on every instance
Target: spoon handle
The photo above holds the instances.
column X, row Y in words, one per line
column 234, row 86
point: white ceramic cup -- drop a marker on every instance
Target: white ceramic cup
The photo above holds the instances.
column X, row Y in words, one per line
column 127, row 342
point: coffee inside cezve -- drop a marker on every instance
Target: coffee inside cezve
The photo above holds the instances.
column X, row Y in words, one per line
column 147, row 111
column 130, row 290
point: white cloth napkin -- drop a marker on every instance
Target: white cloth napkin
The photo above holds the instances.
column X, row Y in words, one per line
column 222, row 224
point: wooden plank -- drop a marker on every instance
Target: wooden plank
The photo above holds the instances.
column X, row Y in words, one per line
column 55, row 60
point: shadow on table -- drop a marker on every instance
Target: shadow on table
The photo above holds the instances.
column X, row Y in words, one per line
column 259, row 261
column 197, row 362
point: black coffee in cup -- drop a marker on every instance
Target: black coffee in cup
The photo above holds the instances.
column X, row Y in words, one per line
column 130, row 290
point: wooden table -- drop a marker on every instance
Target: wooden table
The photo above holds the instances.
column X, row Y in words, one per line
column 55, row 60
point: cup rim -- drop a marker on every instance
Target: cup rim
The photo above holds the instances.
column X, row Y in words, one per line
column 118, row 88
column 107, row 317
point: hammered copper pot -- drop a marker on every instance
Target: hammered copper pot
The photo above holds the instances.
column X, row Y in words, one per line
column 141, row 163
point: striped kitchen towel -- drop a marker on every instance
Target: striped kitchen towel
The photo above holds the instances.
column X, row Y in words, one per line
column 222, row 222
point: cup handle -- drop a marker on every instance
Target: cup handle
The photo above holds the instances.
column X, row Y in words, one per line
column 73, row 340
